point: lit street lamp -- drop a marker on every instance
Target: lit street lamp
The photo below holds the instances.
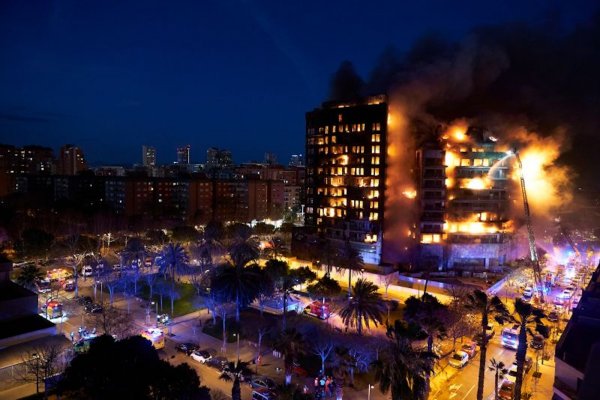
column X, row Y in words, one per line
column 238, row 346
column 369, row 392
column 36, row 357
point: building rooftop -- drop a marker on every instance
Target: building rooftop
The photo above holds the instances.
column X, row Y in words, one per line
column 18, row 326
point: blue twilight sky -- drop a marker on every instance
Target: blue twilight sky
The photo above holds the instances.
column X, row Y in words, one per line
column 112, row 75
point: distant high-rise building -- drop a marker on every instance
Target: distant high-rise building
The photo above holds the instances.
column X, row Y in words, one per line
column 218, row 158
column 297, row 160
column 183, row 155
column 270, row 159
column 71, row 160
column 148, row 156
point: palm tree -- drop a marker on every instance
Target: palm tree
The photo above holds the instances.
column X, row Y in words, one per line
column 479, row 302
column 427, row 313
column 234, row 371
column 499, row 370
column 348, row 258
column 402, row 369
column 525, row 314
column 291, row 345
column 285, row 279
column 28, row 275
column 365, row 306
column 211, row 243
column 174, row 259
column 235, row 283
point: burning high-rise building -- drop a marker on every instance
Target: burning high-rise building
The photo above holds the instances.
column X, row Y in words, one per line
column 432, row 200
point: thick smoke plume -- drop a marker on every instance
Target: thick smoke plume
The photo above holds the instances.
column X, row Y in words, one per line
column 534, row 87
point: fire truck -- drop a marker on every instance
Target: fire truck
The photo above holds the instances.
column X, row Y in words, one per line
column 318, row 309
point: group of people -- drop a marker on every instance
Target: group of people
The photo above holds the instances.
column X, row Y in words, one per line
column 325, row 387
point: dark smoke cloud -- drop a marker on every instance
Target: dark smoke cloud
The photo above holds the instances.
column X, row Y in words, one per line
column 497, row 76
column 346, row 84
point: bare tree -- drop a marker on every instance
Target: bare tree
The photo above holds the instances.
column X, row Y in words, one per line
column 322, row 347
column 112, row 321
column 150, row 280
column 260, row 328
column 386, row 281
column 43, row 362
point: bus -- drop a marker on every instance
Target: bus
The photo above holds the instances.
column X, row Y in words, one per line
column 510, row 337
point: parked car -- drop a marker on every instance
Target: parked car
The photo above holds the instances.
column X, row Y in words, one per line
column 261, row 382
column 69, row 285
column 511, row 376
column 566, row 294
column 537, row 342
column 83, row 300
column 526, row 365
column 506, row 390
column 459, row 359
column 186, row 348
column 218, row 362
column 470, row 349
column 201, row 356
column 262, row 394
column 163, row 319
column 490, row 330
column 93, row 308
column 87, row 270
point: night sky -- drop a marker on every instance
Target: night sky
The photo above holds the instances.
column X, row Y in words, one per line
column 112, row 75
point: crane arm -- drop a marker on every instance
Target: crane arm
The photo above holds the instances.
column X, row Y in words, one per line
column 537, row 272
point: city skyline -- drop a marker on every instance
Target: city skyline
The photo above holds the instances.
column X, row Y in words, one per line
column 169, row 87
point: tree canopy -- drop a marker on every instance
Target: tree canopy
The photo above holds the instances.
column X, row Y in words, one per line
column 128, row 369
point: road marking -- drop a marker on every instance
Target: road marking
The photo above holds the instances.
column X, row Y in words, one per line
column 466, row 395
column 455, row 386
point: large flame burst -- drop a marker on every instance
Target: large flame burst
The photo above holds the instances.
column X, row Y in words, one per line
column 548, row 184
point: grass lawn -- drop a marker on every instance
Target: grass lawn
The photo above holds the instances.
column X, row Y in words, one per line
column 187, row 302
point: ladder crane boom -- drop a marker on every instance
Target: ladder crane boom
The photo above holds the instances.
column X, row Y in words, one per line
column 537, row 272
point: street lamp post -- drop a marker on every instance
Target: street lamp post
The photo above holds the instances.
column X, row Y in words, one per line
column 238, row 346
column 36, row 357
column 369, row 392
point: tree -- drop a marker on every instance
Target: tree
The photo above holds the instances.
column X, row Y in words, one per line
column 258, row 328
column 150, row 280
column 348, row 258
column 36, row 242
column 173, row 260
column 275, row 248
column 402, row 369
column 185, row 234
column 351, row 358
column 112, row 321
column 234, row 371
column 234, row 281
column 479, row 303
column 285, row 279
column 28, row 275
column 499, row 370
column 134, row 250
column 173, row 294
column 324, row 287
column 43, row 362
column 291, row 344
column 322, row 346
column 128, row 368
column 365, row 306
column 525, row 314
column 429, row 315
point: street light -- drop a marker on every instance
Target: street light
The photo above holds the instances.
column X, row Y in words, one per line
column 154, row 303
column 238, row 346
column 36, row 357
column 369, row 392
